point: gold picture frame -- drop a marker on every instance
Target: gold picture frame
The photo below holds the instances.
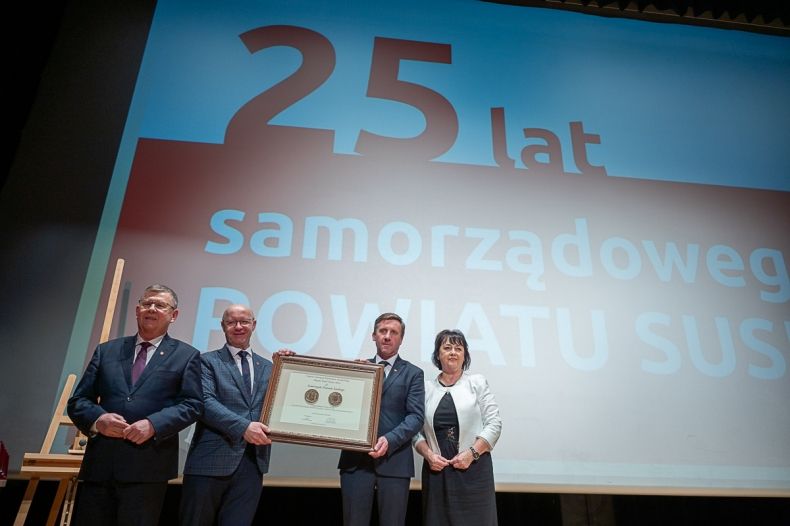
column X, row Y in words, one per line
column 323, row 402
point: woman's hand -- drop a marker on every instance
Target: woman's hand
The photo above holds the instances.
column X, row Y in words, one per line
column 462, row 460
column 437, row 462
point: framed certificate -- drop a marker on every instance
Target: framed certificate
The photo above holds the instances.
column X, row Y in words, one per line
column 323, row 402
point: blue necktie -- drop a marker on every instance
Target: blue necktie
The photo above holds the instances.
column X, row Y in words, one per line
column 245, row 371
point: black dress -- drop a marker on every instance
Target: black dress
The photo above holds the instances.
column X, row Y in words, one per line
column 454, row 497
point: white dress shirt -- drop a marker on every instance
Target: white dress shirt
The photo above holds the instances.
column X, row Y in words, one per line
column 151, row 350
column 235, row 352
column 391, row 361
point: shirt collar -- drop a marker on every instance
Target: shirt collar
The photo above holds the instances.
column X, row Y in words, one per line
column 235, row 350
column 154, row 342
column 391, row 359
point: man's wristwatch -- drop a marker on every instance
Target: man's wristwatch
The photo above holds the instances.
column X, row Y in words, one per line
column 475, row 454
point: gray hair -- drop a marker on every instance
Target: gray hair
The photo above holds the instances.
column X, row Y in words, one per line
column 158, row 288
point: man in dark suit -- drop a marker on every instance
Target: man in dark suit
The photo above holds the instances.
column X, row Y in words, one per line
column 230, row 450
column 136, row 394
column 389, row 467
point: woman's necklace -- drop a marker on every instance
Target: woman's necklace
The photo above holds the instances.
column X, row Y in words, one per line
column 448, row 384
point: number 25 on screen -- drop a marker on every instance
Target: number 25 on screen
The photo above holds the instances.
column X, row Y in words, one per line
column 441, row 121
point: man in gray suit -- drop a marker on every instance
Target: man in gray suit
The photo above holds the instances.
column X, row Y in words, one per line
column 389, row 467
column 230, row 448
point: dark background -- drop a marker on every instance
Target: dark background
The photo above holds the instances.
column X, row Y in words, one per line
column 70, row 73
column 308, row 507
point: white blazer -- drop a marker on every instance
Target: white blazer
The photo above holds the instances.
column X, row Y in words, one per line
column 478, row 412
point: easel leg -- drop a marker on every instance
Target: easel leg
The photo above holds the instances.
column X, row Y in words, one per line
column 68, row 505
column 27, row 500
column 55, row 509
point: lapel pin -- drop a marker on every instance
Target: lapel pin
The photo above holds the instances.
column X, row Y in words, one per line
column 161, row 353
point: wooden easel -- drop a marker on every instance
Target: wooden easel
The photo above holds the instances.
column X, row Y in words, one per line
column 62, row 467
column 48, row 465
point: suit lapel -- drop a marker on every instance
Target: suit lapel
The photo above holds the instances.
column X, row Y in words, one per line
column 126, row 358
column 259, row 368
column 433, row 396
column 395, row 372
column 233, row 370
column 162, row 353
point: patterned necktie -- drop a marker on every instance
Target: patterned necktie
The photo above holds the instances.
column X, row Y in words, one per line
column 139, row 362
column 245, row 371
column 387, row 367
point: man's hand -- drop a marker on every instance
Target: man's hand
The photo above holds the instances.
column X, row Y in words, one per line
column 380, row 449
column 285, row 352
column 256, row 434
column 111, row 425
column 139, row 432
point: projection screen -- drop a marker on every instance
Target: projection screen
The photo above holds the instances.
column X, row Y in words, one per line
column 601, row 205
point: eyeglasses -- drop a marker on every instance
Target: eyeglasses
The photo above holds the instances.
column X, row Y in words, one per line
column 161, row 307
column 243, row 323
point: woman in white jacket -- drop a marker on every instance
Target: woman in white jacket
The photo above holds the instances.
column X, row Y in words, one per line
column 462, row 426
